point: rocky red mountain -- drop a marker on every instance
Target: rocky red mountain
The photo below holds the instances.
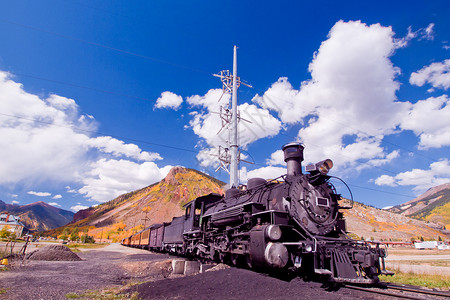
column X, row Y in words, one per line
column 156, row 203
column 162, row 201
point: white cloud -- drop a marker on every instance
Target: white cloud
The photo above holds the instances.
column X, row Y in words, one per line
column 422, row 33
column 62, row 103
column 256, row 123
column 108, row 179
column 76, row 208
column 276, row 158
column 37, row 142
column 15, row 202
column 437, row 74
column 70, row 190
column 118, row 148
column 421, row 180
column 385, row 180
column 54, row 204
column 39, row 194
column 377, row 162
column 429, row 32
column 212, row 100
column 169, row 100
column 209, row 157
column 269, row 172
column 38, row 145
column 430, row 121
column 57, row 197
column 350, row 96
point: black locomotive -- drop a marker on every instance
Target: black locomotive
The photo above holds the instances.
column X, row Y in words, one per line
column 289, row 224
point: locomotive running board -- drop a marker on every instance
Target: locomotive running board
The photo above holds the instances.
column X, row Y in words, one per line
column 342, row 265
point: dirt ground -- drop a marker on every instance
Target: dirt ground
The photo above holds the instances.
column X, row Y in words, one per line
column 118, row 266
column 435, row 262
column 99, row 268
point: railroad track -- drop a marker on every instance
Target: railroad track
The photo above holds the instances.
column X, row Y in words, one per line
column 401, row 291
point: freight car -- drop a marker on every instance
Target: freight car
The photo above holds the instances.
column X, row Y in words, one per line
column 293, row 223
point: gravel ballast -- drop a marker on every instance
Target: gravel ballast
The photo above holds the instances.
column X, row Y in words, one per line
column 53, row 253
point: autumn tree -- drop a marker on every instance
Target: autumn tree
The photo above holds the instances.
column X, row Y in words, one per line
column 5, row 233
column 74, row 235
column 65, row 234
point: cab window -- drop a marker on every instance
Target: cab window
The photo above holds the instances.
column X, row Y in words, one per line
column 188, row 212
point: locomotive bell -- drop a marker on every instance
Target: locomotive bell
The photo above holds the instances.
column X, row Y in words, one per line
column 293, row 156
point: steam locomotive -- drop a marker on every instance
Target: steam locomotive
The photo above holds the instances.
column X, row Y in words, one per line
column 289, row 224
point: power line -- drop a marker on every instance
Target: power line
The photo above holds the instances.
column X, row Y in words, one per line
column 98, row 9
column 164, row 146
column 81, row 86
column 169, row 63
column 368, row 135
column 158, row 144
column 380, row 191
column 173, row 64
column 343, row 155
column 104, row 134
column 147, row 99
column 104, row 46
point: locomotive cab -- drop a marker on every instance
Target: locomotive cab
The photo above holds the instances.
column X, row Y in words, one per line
column 195, row 209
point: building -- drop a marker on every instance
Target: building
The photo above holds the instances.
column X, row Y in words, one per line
column 431, row 245
column 12, row 223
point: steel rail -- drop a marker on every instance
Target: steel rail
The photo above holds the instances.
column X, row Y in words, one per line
column 383, row 287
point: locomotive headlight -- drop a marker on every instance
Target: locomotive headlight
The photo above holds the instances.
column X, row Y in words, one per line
column 321, row 167
column 309, row 248
column 324, row 166
column 273, row 232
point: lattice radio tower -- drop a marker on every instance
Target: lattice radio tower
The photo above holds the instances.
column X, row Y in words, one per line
column 230, row 155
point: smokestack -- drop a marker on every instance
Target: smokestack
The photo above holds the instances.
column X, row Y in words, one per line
column 293, row 156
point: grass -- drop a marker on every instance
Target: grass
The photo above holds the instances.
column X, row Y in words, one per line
column 425, row 280
column 14, row 241
column 108, row 294
column 87, row 246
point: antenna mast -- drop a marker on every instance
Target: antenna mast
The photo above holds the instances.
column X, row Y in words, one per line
column 230, row 84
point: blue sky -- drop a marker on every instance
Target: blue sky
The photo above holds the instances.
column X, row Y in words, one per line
column 98, row 98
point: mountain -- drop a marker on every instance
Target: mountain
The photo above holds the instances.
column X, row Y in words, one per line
column 161, row 201
column 38, row 216
column 432, row 206
column 156, row 203
column 370, row 222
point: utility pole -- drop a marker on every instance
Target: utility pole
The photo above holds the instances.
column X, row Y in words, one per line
column 234, row 180
column 231, row 84
column 145, row 218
